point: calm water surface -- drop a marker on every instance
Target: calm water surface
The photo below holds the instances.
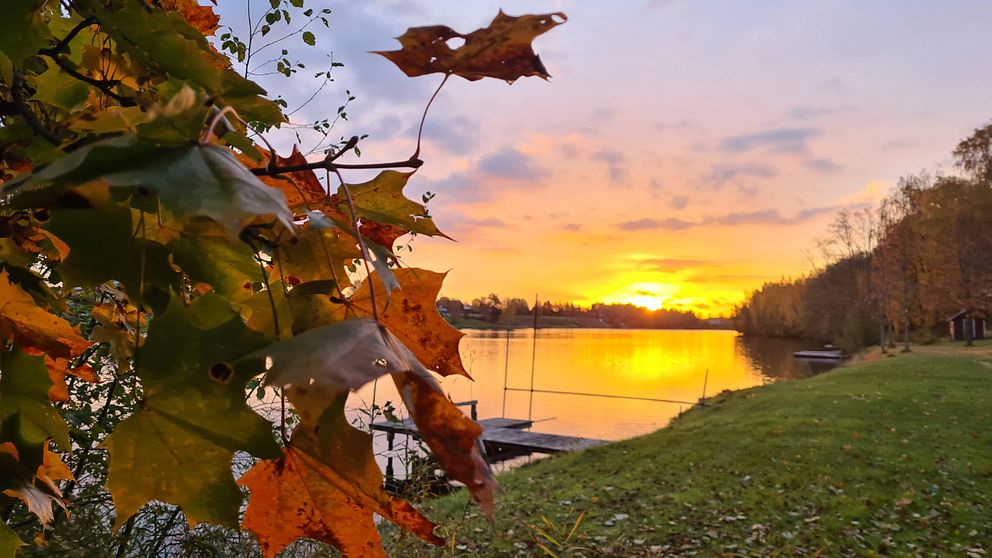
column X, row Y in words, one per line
column 662, row 364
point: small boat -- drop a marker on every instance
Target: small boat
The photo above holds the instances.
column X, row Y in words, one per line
column 830, row 355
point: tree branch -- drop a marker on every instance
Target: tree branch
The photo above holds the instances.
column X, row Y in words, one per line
column 103, row 85
column 411, row 163
column 26, row 114
column 58, row 48
column 106, row 86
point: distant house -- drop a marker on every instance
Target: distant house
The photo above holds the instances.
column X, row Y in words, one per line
column 964, row 319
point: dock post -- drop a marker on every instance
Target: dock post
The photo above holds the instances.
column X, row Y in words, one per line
column 389, row 458
column 473, row 412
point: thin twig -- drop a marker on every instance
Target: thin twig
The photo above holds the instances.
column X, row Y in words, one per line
column 165, row 532
column 423, row 118
column 352, row 143
column 251, row 35
column 125, row 536
column 315, row 93
column 25, row 112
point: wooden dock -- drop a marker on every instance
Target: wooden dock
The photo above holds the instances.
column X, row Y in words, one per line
column 503, row 438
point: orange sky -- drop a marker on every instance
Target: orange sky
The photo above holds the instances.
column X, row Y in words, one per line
column 683, row 153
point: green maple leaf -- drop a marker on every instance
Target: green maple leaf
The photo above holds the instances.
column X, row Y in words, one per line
column 9, row 542
column 190, row 181
column 103, row 247
column 261, row 317
column 26, row 414
column 207, row 255
column 22, row 30
column 165, row 41
column 343, row 355
column 318, row 254
column 59, row 89
column 381, row 200
column 177, row 447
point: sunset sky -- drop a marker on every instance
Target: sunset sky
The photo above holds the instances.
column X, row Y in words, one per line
column 683, row 152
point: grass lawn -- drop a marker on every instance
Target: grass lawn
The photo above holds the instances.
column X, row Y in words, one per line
column 888, row 457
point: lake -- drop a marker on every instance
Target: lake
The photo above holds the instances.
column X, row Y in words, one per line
column 658, row 364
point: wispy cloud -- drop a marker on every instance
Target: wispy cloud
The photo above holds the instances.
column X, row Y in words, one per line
column 736, row 218
column 809, row 112
column 678, row 202
column 723, row 172
column 507, row 168
column 782, row 140
column 462, row 226
column 822, row 165
column 614, row 163
column 511, row 163
column 680, row 124
column 649, row 223
column 458, row 134
column 670, row 265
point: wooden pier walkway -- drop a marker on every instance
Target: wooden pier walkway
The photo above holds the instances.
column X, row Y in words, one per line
column 503, row 438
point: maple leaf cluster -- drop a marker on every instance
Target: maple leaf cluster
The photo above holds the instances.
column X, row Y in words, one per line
column 126, row 169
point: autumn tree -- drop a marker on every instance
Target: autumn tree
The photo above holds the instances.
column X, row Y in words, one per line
column 200, row 268
column 957, row 247
column 974, row 154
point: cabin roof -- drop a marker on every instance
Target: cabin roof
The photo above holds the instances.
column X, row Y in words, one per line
column 964, row 312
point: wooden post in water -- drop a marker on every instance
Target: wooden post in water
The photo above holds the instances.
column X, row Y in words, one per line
column 506, row 367
column 389, row 459
column 533, row 361
column 702, row 400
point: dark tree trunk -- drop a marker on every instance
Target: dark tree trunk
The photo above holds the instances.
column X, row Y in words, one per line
column 881, row 333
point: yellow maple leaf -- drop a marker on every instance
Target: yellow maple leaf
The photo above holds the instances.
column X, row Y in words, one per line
column 33, row 327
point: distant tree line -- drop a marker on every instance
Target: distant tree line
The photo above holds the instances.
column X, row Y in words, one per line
column 884, row 274
column 517, row 311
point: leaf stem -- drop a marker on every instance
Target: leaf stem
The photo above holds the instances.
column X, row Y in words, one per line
column 282, row 417
column 361, row 245
column 209, row 132
column 268, row 289
column 423, row 118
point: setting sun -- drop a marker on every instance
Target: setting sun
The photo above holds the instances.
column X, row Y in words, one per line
column 650, row 295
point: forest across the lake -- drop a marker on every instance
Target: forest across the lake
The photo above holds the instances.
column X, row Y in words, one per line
column 897, row 271
column 491, row 312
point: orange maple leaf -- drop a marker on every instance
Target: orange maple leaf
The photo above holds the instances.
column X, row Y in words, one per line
column 297, row 496
column 502, row 50
column 202, row 18
column 411, row 315
column 34, row 327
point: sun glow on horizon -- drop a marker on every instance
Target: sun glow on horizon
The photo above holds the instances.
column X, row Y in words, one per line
column 701, row 299
column 650, row 295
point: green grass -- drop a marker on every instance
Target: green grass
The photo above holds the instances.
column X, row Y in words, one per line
column 891, row 457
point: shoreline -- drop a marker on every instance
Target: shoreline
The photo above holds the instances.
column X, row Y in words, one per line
column 843, row 463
